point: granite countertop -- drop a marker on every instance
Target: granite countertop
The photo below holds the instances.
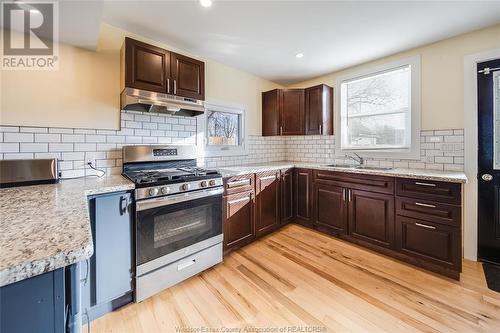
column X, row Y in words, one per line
column 424, row 174
column 46, row 227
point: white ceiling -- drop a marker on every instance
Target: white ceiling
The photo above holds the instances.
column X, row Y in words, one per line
column 262, row 37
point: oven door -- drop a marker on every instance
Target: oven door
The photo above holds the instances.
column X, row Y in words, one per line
column 172, row 227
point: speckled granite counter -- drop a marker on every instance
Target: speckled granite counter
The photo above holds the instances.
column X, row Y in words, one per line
column 445, row 176
column 45, row 227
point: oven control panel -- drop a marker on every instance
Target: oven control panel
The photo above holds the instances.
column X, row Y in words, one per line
column 162, row 190
column 165, row 152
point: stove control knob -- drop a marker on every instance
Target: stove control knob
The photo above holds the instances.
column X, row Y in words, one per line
column 165, row 190
column 212, row 182
column 186, row 187
column 204, row 183
column 153, row 191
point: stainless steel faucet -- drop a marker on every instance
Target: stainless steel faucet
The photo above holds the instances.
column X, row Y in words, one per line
column 356, row 158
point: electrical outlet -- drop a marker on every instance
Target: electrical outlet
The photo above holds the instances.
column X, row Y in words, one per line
column 90, row 161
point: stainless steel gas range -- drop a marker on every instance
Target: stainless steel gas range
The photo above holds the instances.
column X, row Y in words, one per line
column 178, row 215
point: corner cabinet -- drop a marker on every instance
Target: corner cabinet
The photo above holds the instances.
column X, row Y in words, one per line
column 287, row 196
column 298, row 111
column 151, row 68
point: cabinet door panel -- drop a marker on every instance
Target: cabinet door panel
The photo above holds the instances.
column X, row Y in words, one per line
column 286, row 196
column 319, row 110
column 292, row 112
column 270, row 113
column 430, row 242
column 113, row 247
column 267, row 202
column 146, row 67
column 371, row 217
column 188, row 77
column 239, row 225
column 303, row 196
column 330, row 208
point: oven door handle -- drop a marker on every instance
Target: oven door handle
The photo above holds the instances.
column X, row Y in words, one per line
column 173, row 199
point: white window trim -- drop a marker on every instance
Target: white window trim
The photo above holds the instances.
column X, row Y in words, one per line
column 221, row 151
column 410, row 153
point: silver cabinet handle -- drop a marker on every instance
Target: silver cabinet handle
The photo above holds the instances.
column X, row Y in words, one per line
column 281, row 130
column 424, row 205
column 425, row 184
column 268, row 177
column 344, row 196
column 350, row 195
column 425, row 226
column 168, row 86
column 239, row 182
column 175, row 87
column 239, row 200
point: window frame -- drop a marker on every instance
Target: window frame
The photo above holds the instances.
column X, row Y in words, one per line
column 224, row 150
column 413, row 152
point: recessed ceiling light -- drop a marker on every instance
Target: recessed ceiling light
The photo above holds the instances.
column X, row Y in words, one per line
column 299, row 55
column 206, row 3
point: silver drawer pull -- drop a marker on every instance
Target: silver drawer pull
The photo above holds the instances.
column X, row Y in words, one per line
column 239, row 182
column 239, row 200
column 425, row 184
column 424, row 205
column 268, row 177
column 425, row 226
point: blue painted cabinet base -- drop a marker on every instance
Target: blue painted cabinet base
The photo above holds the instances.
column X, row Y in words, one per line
column 33, row 305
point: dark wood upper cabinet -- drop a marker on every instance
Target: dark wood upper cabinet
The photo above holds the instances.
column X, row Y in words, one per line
column 319, row 110
column 303, row 194
column 239, row 219
column 188, row 77
column 146, row 66
column 286, row 196
column 292, row 112
column 271, row 113
column 298, row 111
column 371, row 217
column 267, row 200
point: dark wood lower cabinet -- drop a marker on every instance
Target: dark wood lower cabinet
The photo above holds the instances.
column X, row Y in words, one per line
column 239, row 223
column 330, row 208
column 371, row 217
column 363, row 210
column 267, row 201
column 286, row 196
column 303, row 197
column 429, row 243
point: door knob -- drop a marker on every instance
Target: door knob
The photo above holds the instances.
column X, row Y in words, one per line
column 487, row 177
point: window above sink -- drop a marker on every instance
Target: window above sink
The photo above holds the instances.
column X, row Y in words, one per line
column 378, row 110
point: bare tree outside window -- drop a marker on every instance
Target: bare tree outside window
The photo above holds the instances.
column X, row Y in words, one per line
column 377, row 110
column 223, row 128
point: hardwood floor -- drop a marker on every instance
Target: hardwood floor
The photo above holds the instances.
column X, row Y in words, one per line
column 298, row 278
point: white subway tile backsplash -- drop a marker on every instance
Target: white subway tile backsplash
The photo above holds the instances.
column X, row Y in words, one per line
column 440, row 150
column 18, row 137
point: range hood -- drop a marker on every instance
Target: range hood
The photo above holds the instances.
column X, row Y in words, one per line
column 149, row 101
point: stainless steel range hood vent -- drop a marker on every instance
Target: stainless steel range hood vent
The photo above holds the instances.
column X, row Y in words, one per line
column 149, row 101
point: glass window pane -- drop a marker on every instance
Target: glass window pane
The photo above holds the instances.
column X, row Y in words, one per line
column 377, row 111
column 223, row 128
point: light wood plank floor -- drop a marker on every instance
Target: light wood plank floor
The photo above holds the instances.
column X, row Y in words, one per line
column 297, row 279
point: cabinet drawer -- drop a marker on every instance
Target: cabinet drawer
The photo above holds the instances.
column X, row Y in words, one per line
column 370, row 183
column 429, row 190
column 434, row 243
column 429, row 211
column 239, row 184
